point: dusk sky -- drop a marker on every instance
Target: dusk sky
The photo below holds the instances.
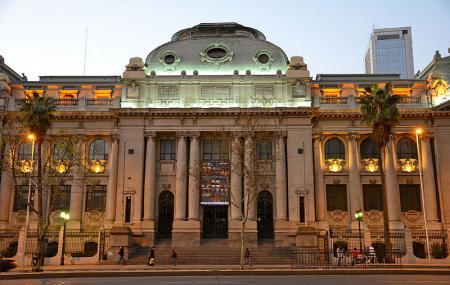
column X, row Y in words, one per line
column 47, row 37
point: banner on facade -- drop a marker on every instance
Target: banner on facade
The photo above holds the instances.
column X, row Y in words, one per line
column 215, row 183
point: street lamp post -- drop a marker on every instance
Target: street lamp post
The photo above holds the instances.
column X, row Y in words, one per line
column 419, row 132
column 65, row 216
column 358, row 217
column 31, row 137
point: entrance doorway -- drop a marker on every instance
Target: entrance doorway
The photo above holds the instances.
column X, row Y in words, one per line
column 215, row 222
column 265, row 215
column 165, row 214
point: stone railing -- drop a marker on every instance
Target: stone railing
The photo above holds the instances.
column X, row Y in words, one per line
column 410, row 100
column 333, row 100
column 75, row 103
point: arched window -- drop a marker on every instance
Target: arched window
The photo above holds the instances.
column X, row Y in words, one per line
column 369, row 149
column 98, row 150
column 24, row 152
column 334, row 149
column 406, row 148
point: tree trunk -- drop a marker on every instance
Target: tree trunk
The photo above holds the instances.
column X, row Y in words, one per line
column 242, row 243
column 387, row 236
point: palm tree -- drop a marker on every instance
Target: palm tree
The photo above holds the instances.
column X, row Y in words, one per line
column 379, row 110
column 37, row 113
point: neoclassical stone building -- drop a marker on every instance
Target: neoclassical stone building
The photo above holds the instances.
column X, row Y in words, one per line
column 164, row 141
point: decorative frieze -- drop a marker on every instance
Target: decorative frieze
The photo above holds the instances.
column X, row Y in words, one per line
column 167, row 94
column 215, row 94
column 263, row 95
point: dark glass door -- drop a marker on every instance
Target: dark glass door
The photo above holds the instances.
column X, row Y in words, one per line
column 165, row 214
column 215, row 222
column 265, row 215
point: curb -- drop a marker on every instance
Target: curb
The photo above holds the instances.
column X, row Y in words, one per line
column 219, row 272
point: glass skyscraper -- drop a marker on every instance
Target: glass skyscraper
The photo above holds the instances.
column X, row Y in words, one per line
column 390, row 51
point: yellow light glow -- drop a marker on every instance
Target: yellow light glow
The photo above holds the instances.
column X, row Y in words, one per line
column 61, row 167
column 31, row 137
column 97, row 166
column 65, row 215
column 419, row 131
column 335, row 165
column 408, row 165
column 26, row 166
column 371, row 164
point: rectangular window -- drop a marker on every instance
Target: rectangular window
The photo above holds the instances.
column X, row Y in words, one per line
column 167, row 149
column 336, row 197
column 410, row 197
column 302, row 209
column 373, row 197
column 95, row 197
column 215, row 150
column 61, row 196
column 128, row 209
column 21, row 198
column 264, row 149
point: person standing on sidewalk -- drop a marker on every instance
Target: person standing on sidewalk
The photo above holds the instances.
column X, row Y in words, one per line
column 151, row 257
column 247, row 256
column 174, row 257
column 121, row 255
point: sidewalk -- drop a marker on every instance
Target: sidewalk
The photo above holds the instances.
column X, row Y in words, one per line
column 115, row 270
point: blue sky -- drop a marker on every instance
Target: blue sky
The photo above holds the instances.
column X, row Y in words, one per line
column 47, row 37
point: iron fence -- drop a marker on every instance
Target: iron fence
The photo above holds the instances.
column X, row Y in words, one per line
column 9, row 240
column 344, row 239
column 304, row 259
column 397, row 238
column 50, row 240
column 105, row 237
column 437, row 240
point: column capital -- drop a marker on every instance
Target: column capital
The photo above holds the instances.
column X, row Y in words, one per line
column 193, row 134
column 237, row 134
column 318, row 137
column 114, row 137
column 182, row 134
column 426, row 136
column 353, row 136
column 149, row 134
column 281, row 134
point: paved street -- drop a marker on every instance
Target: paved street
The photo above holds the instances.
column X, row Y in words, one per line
column 238, row 280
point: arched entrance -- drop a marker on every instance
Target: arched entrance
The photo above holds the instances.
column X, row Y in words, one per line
column 265, row 215
column 165, row 214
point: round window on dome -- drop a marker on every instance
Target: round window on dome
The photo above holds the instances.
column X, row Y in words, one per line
column 263, row 58
column 169, row 59
column 216, row 52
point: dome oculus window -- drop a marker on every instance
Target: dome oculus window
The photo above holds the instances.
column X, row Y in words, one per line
column 263, row 59
column 169, row 60
column 216, row 53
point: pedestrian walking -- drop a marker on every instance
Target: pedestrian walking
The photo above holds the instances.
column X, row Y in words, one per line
column 247, row 259
column 151, row 257
column 174, row 257
column 340, row 255
column 121, row 255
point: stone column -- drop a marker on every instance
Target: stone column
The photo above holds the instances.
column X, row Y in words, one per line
column 180, row 183
column 5, row 191
column 429, row 187
column 111, row 194
column 249, row 177
column 236, row 178
column 319, row 182
column 77, row 192
column 393, row 194
column 280, row 178
column 354, row 178
column 150, row 181
column 194, row 177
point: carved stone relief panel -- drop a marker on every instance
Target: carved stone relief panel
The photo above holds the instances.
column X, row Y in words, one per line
column 167, row 94
column 215, row 93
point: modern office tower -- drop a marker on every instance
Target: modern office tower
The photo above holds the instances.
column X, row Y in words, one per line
column 390, row 51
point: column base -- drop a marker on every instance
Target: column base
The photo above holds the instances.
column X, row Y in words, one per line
column 281, row 233
column 396, row 225
column 306, row 237
column 148, row 233
column 234, row 232
column 251, row 233
column 186, row 233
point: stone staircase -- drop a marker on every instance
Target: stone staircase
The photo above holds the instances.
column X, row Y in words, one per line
column 212, row 253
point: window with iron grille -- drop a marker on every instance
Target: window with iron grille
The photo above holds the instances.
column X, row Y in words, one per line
column 264, row 149
column 98, row 150
column 336, row 197
column 21, row 197
column 373, row 197
column 406, row 148
column 95, row 197
column 410, row 197
column 167, row 149
column 334, row 149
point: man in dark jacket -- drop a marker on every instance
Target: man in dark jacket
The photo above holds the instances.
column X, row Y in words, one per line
column 121, row 255
column 151, row 257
